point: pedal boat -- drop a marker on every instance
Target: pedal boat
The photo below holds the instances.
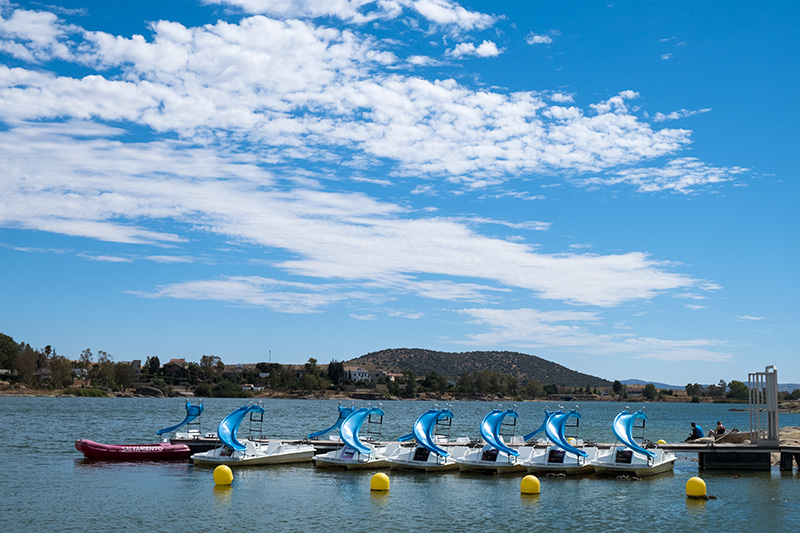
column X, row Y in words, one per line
column 431, row 453
column 630, row 458
column 355, row 454
column 560, row 456
column 234, row 452
column 495, row 456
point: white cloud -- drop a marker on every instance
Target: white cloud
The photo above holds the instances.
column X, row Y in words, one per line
column 485, row 49
column 531, row 328
column 261, row 94
column 561, row 98
column 110, row 191
column 440, row 12
column 533, row 38
column 277, row 295
column 105, row 258
column 750, row 317
column 32, row 35
column 169, row 259
column 675, row 115
column 289, row 90
column 682, row 175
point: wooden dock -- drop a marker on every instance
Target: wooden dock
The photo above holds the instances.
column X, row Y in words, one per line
column 725, row 456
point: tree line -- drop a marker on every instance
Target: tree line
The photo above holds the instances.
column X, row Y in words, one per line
column 45, row 369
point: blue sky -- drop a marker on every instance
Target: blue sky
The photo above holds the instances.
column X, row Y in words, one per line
column 610, row 186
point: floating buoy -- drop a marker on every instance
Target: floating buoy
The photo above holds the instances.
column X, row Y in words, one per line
column 529, row 485
column 661, row 441
column 571, row 440
column 696, row 488
column 379, row 481
column 223, row 475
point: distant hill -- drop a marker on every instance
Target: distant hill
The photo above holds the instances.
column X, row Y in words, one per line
column 656, row 384
column 524, row 367
column 782, row 387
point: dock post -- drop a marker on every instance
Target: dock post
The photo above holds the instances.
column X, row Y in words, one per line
column 764, row 425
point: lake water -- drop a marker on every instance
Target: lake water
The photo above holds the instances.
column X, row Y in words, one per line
column 46, row 485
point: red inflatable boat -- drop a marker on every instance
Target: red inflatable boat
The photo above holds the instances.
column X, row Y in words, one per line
column 161, row 451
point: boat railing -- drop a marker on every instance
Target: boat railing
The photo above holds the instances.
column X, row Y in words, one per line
column 373, row 426
column 443, row 428
column 257, row 419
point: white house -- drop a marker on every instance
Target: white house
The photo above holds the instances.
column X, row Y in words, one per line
column 354, row 373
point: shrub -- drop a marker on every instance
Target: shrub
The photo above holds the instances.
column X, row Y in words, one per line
column 89, row 393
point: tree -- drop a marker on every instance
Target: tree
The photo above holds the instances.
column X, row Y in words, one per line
column 649, row 391
column 210, row 365
column 152, row 365
column 312, row 368
column 309, row 382
column 26, row 365
column 86, row 358
column 738, row 390
column 102, row 373
column 533, row 389
column 411, row 384
column 61, row 375
column 616, row 386
column 336, row 372
column 694, row 390
column 9, row 351
column 124, row 375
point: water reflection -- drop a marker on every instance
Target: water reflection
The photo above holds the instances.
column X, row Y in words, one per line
column 222, row 494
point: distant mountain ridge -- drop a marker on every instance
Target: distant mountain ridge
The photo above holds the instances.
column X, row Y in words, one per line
column 655, row 383
column 523, row 366
column 782, row 387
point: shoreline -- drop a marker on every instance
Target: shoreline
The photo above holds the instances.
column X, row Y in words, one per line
column 784, row 407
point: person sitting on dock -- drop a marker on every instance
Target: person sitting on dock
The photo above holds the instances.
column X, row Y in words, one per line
column 697, row 432
column 720, row 429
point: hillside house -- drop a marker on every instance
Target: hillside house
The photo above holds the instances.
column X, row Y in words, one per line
column 354, row 373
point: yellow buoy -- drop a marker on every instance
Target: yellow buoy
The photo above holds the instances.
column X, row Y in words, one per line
column 661, row 441
column 379, row 481
column 223, row 475
column 695, row 488
column 571, row 440
column 529, row 485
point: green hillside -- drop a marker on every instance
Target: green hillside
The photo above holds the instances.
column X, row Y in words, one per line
column 524, row 367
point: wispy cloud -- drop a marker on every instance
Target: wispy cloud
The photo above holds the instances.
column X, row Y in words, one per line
column 683, row 175
column 570, row 329
column 105, row 258
column 683, row 113
column 534, row 38
column 750, row 317
column 277, row 295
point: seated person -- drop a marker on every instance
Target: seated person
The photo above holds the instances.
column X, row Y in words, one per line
column 720, row 429
column 697, row 432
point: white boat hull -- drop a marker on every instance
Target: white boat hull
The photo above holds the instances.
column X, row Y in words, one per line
column 351, row 459
column 256, row 453
column 416, row 458
column 554, row 460
column 633, row 463
column 491, row 460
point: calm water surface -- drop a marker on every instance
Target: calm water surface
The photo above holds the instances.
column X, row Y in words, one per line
column 46, row 485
